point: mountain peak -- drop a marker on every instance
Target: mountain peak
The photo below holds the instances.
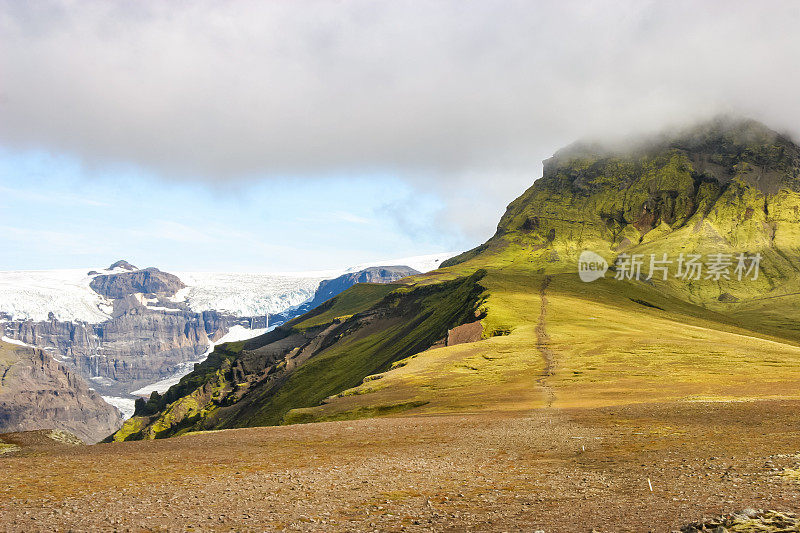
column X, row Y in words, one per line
column 722, row 149
column 730, row 177
column 124, row 265
column 724, row 137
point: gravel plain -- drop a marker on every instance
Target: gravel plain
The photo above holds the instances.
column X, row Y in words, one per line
column 550, row 470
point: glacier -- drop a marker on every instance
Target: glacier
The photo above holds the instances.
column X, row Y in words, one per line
column 34, row 294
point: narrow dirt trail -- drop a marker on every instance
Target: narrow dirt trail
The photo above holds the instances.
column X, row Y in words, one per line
column 543, row 345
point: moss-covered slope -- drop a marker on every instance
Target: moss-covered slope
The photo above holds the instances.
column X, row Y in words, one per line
column 728, row 186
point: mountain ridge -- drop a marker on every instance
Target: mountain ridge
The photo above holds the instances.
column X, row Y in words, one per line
column 258, row 381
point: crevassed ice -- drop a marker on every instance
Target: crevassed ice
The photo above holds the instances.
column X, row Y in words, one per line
column 246, row 294
column 126, row 406
column 66, row 293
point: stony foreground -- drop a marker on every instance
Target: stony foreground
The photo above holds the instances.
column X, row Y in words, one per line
column 553, row 470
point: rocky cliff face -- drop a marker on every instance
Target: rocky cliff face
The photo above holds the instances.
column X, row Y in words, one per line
column 36, row 392
column 146, row 339
column 138, row 346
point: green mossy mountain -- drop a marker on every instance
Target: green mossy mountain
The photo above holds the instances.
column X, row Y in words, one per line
column 728, row 186
column 728, row 172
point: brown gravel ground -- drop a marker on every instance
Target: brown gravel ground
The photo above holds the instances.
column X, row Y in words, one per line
column 552, row 470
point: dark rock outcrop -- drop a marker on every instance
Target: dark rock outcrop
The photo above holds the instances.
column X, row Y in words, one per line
column 147, row 281
column 36, row 393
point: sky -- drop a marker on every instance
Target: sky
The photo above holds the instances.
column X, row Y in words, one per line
column 275, row 136
column 58, row 214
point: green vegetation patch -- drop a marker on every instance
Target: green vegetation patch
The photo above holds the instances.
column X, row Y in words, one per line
column 7, row 448
column 355, row 299
column 302, row 416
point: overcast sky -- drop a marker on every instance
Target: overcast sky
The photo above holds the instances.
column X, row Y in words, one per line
column 396, row 126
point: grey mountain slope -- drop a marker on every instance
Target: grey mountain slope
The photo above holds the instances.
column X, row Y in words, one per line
column 36, row 392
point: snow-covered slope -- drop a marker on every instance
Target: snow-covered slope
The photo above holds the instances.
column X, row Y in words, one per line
column 66, row 293
column 247, row 294
column 254, row 294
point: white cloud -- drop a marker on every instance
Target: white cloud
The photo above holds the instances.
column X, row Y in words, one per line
column 449, row 95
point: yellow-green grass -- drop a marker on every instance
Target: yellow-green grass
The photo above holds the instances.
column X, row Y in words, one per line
column 620, row 352
column 613, row 342
column 495, row 374
column 7, row 448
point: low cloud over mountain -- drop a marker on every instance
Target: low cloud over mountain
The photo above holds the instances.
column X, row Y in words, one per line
column 216, row 91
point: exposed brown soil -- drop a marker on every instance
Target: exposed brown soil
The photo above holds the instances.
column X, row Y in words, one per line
column 469, row 332
column 555, row 470
column 543, row 345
